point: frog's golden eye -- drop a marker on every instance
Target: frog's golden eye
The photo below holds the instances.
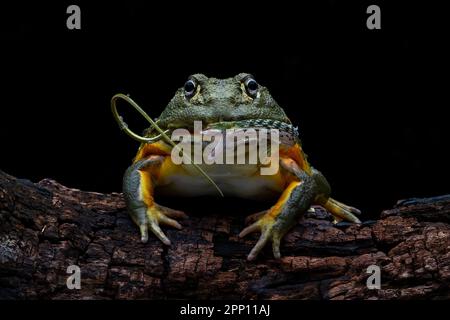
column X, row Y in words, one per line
column 251, row 86
column 189, row 88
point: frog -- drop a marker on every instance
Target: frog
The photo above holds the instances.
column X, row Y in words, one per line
column 234, row 102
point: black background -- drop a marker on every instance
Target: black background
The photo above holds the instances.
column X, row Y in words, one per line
column 370, row 104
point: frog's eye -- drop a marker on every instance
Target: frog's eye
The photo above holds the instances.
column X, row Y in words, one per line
column 189, row 88
column 251, row 86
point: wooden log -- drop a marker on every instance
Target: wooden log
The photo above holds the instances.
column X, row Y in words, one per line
column 46, row 227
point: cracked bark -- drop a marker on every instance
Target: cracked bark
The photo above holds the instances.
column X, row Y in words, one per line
column 46, row 227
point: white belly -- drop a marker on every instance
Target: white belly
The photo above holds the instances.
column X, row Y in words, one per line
column 242, row 181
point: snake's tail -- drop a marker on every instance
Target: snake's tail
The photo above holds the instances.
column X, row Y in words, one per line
column 123, row 126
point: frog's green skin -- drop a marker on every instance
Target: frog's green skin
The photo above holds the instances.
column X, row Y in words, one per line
column 225, row 101
column 218, row 100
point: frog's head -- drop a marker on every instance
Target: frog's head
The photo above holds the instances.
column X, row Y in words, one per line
column 213, row 100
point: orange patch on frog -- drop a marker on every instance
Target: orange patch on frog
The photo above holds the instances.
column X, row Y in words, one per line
column 168, row 168
column 146, row 187
column 296, row 153
column 276, row 209
column 158, row 148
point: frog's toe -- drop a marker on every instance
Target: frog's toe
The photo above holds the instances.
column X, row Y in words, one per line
column 159, row 215
column 254, row 227
column 143, row 228
column 353, row 210
column 341, row 211
column 154, row 227
column 268, row 233
column 262, row 241
column 276, row 240
column 172, row 213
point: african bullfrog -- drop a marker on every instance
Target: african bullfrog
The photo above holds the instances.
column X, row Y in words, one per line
column 233, row 102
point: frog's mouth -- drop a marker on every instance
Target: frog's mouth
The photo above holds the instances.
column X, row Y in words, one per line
column 239, row 124
column 287, row 131
column 240, row 132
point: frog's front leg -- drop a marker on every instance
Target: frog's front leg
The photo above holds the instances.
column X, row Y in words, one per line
column 138, row 189
column 297, row 198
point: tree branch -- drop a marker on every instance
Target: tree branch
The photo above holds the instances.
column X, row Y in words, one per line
column 46, row 227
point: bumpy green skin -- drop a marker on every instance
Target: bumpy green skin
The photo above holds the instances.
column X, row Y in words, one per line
column 313, row 188
column 131, row 191
column 221, row 100
column 225, row 101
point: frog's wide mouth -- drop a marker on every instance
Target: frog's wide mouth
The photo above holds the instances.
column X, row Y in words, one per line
column 268, row 124
column 286, row 133
column 190, row 126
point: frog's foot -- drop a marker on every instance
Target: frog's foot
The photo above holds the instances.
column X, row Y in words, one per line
column 155, row 216
column 273, row 228
column 295, row 200
column 276, row 222
column 269, row 232
column 138, row 188
column 341, row 211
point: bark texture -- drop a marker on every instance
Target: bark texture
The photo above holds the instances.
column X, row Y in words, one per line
column 45, row 227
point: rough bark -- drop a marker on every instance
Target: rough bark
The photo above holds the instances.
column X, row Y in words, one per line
column 46, row 227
